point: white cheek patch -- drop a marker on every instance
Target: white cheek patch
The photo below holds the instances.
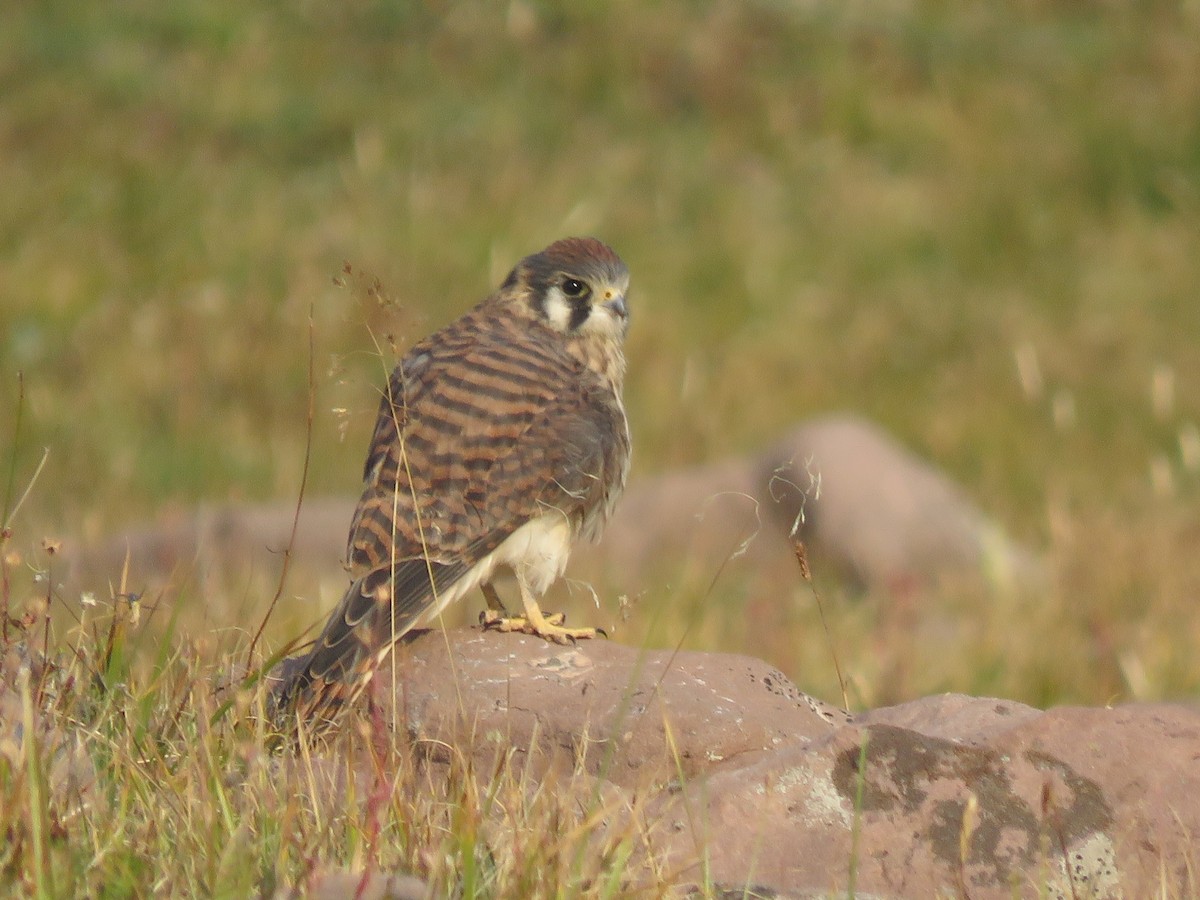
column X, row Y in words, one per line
column 558, row 310
column 603, row 321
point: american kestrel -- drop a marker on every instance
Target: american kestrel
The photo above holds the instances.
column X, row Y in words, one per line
column 500, row 440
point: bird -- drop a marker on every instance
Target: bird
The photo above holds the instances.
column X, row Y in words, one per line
column 501, row 440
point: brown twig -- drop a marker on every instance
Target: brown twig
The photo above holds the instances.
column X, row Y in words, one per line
column 287, row 551
column 806, row 573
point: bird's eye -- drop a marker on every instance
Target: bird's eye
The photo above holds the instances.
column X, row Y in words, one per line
column 573, row 287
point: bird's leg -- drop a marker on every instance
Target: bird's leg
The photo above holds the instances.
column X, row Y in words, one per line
column 534, row 621
column 495, row 604
column 496, row 610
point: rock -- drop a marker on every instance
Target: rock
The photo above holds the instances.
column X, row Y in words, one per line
column 883, row 516
column 600, row 703
column 215, row 546
column 678, row 527
column 947, row 795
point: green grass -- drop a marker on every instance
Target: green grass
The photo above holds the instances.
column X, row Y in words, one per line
column 877, row 207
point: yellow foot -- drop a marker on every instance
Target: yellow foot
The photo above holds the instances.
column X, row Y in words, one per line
column 549, row 627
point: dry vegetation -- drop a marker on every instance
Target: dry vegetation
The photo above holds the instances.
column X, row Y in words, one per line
column 977, row 227
column 118, row 786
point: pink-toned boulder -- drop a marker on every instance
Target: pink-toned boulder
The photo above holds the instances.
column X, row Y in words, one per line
column 868, row 510
column 751, row 783
column 678, row 527
column 880, row 514
column 600, row 703
column 216, row 546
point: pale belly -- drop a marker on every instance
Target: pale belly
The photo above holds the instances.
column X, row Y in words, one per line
column 537, row 552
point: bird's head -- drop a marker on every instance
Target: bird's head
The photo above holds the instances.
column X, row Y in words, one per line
column 577, row 286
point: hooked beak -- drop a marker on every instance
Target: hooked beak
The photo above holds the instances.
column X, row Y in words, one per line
column 618, row 307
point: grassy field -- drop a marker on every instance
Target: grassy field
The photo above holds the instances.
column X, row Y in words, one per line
column 977, row 226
